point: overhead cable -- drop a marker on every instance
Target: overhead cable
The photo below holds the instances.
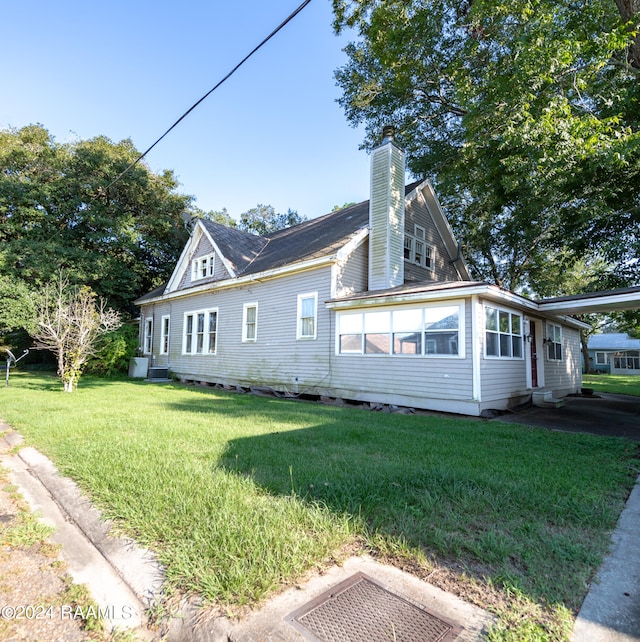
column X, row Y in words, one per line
column 186, row 113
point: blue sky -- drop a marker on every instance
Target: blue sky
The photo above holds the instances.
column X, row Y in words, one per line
column 272, row 134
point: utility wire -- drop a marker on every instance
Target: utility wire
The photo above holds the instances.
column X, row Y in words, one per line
column 186, row 113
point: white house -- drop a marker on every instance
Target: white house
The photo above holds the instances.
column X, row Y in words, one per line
column 372, row 303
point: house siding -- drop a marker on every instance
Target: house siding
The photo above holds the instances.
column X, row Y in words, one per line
column 276, row 359
column 386, row 217
column 417, row 213
column 564, row 376
column 351, row 274
column 410, row 380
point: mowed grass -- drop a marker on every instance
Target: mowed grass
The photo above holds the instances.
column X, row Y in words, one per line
column 239, row 494
column 616, row 384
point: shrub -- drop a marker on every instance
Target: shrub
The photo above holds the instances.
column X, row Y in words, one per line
column 115, row 351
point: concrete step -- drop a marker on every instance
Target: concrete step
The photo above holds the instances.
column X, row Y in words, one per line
column 545, row 399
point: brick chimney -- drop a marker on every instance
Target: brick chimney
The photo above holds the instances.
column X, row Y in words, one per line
column 386, row 214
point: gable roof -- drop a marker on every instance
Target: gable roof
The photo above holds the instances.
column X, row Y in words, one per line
column 323, row 237
column 613, row 341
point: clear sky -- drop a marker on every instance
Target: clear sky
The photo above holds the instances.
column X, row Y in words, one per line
column 272, row 134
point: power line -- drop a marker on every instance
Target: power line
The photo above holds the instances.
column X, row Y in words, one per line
column 186, row 113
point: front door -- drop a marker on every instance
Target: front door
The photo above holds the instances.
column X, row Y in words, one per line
column 534, row 355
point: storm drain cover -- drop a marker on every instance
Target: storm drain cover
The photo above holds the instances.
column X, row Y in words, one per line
column 361, row 610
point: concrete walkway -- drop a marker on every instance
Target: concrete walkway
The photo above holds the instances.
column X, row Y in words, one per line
column 611, row 610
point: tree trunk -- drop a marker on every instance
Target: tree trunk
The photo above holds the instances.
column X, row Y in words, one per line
column 585, row 352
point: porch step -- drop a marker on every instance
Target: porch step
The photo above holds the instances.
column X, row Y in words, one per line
column 546, row 400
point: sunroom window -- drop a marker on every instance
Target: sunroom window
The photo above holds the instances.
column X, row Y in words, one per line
column 503, row 333
column 434, row 330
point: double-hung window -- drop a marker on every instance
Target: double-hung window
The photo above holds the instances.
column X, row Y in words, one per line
column 164, row 334
column 307, row 315
column 601, row 358
column 200, row 332
column 202, row 267
column 250, row 322
column 417, row 250
column 554, row 342
column 147, row 345
column 503, row 333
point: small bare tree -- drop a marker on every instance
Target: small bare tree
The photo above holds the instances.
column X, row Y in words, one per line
column 70, row 320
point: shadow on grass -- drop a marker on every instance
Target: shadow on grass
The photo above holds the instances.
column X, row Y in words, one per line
column 531, row 508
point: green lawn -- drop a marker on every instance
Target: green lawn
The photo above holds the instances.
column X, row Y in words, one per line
column 618, row 384
column 239, row 494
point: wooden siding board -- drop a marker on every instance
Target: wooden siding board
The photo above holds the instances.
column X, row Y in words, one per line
column 352, row 273
column 417, row 213
column 565, row 374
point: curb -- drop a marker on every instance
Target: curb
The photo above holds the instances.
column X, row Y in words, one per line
column 122, row 577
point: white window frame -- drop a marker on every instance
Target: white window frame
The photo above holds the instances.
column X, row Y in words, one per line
column 203, row 267
column 147, row 339
column 423, row 258
column 554, row 338
column 425, row 338
column 245, row 326
column 601, row 358
column 165, row 333
column 300, row 336
column 206, row 335
column 497, row 332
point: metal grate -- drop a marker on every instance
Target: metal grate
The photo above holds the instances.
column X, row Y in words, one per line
column 361, row 610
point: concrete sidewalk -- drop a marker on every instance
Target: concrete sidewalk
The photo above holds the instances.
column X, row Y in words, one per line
column 611, row 610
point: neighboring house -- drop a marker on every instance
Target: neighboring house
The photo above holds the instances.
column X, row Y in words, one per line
column 371, row 303
column 614, row 353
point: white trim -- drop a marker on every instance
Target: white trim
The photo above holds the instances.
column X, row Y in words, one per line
column 205, row 332
column 147, row 337
column 476, row 356
column 549, row 325
column 303, row 266
column 206, row 261
column 510, row 312
column 461, row 332
column 167, row 318
column 245, row 338
column 299, row 318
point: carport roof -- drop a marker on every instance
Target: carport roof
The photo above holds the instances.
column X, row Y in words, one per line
column 601, row 302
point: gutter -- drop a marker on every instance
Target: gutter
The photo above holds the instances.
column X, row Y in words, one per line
column 242, row 280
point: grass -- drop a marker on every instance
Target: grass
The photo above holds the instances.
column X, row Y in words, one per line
column 617, row 384
column 239, row 494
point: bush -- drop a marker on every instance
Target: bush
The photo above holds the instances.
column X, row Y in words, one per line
column 115, row 351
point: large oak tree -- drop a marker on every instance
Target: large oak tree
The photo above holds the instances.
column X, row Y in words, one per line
column 525, row 115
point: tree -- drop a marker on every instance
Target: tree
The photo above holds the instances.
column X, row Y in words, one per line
column 263, row 219
column 525, row 116
column 17, row 309
column 60, row 209
column 70, row 321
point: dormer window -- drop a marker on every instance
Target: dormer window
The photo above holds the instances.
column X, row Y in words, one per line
column 202, row 267
column 417, row 250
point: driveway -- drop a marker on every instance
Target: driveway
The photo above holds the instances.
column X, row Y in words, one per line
column 602, row 414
